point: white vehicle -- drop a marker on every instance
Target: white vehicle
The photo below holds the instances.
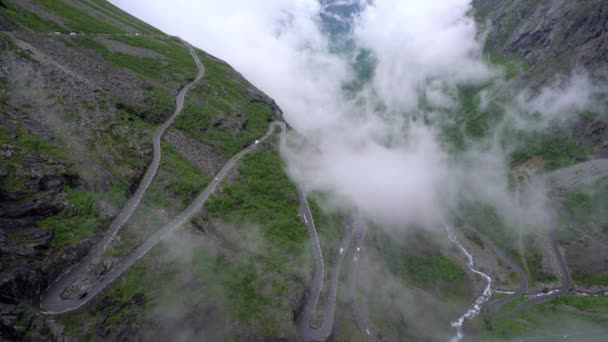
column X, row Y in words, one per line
column 73, row 33
column 257, row 142
column 341, row 250
column 137, row 34
column 217, row 178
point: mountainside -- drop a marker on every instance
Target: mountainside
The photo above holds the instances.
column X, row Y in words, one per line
column 550, row 37
column 85, row 91
column 83, row 87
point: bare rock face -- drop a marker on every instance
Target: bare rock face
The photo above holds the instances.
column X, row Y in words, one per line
column 550, row 36
column 258, row 97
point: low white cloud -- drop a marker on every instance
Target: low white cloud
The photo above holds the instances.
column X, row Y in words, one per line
column 563, row 98
column 420, row 45
column 369, row 151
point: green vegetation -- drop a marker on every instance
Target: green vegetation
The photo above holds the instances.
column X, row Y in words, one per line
column 493, row 227
column 263, row 194
column 243, row 284
column 507, row 240
column 150, row 67
column 177, row 178
column 590, row 116
column 558, row 151
column 535, row 265
column 117, row 139
column 364, row 67
column 471, row 122
column 25, row 143
column 116, row 13
column 584, row 303
column 244, row 287
column 76, row 19
column 227, row 119
column 78, row 221
column 178, row 57
column 429, row 270
column 3, row 92
column 36, row 144
column 160, row 105
column 548, row 319
column 28, row 19
column 480, row 15
column 13, row 47
column 585, row 205
column 175, row 186
column 124, row 307
column 328, row 225
column 590, row 279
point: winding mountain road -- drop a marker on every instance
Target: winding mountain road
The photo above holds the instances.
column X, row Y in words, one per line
column 523, row 282
column 52, row 302
column 566, row 279
column 567, row 179
column 564, row 180
column 303, row 327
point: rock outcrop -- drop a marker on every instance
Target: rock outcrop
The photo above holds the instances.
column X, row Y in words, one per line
column 549, row 36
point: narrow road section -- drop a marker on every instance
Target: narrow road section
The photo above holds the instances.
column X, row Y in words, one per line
column 566, row 279
column 51, row 301
column 523, row 277
column 303, row 327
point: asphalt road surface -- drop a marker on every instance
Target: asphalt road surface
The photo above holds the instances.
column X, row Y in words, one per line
column 566, row 279
column 303, row 327
column 566, row 179
column 360, row 318
column 523, row 283
column 52, row 302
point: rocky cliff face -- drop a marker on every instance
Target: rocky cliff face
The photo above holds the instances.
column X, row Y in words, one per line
column 548, row 36
column 550, row 41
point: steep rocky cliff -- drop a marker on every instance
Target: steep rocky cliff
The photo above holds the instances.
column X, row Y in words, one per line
column 548, row 36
